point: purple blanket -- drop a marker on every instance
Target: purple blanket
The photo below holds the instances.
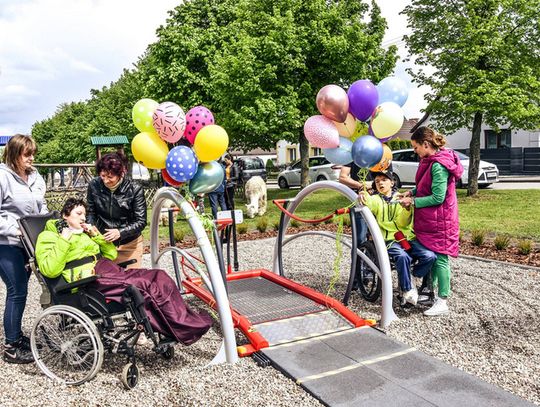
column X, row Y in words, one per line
column 166, row 309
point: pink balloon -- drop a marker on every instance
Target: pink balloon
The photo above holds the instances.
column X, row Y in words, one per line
column 196, row 119
column 321, row 132
column 169, row 120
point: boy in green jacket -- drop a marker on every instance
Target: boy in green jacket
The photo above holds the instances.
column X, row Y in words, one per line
column 393, row 218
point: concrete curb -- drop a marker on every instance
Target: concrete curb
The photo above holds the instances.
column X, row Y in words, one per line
column 503, row 263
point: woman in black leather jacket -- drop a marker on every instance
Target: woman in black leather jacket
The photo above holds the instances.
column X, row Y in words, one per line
column 117, row 207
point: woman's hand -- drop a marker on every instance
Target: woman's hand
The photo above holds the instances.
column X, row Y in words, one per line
column 111, row 235
column 406, row 202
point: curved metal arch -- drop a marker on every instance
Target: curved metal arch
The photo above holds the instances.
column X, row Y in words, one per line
column 388, row 315
column 228, row 350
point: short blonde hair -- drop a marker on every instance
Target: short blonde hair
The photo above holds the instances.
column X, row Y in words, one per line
column 17, row 146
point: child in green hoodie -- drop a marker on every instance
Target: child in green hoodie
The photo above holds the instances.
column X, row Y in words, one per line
column 393, row 218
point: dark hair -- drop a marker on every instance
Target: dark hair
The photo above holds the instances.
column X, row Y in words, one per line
column 424, row 133
column 17, row 146
column 113, row 163
column 72, row 203
column 228, row 157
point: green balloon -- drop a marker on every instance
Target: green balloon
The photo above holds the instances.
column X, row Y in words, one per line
column 142, row 114
column 208, row 177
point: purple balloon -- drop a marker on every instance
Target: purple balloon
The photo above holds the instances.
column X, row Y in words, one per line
column 363, row 99
column 367, row 151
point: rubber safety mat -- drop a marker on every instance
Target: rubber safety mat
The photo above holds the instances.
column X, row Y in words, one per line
column 364, row 367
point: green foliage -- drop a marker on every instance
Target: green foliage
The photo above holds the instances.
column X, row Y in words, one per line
column 398, row 144
column 267, row 74
column 275, row 225
column 479, row 59
column 501, row 242
column 270, row 166
column 179, row 234
column 262, row 224
column 295, row 223
column 524, row 247
column 242, row 228
column 478, row 237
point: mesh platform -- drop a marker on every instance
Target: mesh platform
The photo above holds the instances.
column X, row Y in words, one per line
column 261, row 300
column 303, row 327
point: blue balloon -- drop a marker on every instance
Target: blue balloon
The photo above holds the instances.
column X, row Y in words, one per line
column 208, row 177
column 181, row 163
column 393, row 89
column 340, row 155
column 367, row 151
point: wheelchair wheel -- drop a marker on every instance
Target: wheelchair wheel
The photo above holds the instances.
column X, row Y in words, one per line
column 130, row 375
column 66, row 345
column 169, row 353
column 369, row 283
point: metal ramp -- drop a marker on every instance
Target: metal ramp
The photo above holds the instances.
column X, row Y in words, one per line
column 363, row 366
column 281, row 315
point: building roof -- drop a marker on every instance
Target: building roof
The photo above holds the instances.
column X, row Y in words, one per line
column 4, row 140
column 109, row 140
column 257, row 151
column 405, row 132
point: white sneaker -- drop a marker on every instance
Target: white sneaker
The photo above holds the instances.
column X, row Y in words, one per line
column 439, row 308
column 411, row 296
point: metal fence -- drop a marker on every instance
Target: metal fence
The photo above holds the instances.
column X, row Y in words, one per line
column 512, row 161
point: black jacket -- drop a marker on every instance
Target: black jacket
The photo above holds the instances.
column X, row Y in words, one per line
column 124, row 209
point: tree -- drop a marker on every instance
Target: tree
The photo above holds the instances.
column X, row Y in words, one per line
column 266, row 76
column 486, row 56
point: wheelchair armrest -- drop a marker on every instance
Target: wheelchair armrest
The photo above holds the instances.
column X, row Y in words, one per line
column 64, row 286
column 126, row 263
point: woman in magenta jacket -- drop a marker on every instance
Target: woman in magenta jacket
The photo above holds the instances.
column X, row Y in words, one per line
column 436, row 220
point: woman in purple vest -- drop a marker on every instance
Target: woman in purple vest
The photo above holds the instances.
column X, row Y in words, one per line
column 436, row 221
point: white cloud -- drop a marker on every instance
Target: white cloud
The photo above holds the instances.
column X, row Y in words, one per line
column 58, row 50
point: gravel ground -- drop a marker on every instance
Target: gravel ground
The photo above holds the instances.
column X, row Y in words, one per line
column 492, row 332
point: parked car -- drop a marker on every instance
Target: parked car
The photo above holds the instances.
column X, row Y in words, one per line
column 250, row 167
column 320, row 169
column 405, row 163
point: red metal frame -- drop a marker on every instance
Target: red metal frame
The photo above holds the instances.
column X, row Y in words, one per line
column 241, row 322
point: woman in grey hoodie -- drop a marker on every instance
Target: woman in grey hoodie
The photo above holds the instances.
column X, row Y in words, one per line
column 22, row 192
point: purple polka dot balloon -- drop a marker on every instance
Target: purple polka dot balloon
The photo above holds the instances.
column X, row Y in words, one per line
column 169, row 120
column 196, row 119
column 182, row 163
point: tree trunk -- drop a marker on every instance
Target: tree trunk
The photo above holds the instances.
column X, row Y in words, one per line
column 474, row 155
column 304, row 156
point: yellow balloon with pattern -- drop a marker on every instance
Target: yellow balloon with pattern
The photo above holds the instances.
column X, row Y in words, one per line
column 150, row 150
column 211, row 143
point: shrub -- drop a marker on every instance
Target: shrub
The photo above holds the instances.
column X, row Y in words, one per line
column 242, row 228
column 461, row 236
column 478, row 237
column 501, row 242
column 270, row 167
column 275, row 225
column 179, row 235
column 295, row 223
column 403, row 144
column 393, row 144
column 346, row 220
column 262, row 224
column 524, row 246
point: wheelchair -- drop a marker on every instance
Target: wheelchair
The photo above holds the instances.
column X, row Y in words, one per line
column 369, row 283
column 78, row 324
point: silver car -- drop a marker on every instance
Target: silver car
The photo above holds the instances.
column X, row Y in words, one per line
column 320, row 169
column 405, row 163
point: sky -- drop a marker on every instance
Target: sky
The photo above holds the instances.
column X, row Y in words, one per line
column 56, row 51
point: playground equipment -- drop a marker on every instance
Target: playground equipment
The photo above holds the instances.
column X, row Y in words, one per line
column 267, row 307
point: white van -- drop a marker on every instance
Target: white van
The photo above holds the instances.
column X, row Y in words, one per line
column 140, row 172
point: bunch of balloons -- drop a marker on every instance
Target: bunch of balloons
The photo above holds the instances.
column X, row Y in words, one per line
column 194, row 160
column 353, row 125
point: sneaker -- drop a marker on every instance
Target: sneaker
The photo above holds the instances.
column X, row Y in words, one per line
column 411, row 296
column 439, row 308
column 16, row 353
column 25, row 343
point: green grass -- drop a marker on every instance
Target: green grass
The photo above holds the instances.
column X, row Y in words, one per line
column 511, row 212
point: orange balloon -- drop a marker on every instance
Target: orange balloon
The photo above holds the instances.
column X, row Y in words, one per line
column 385, row 162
